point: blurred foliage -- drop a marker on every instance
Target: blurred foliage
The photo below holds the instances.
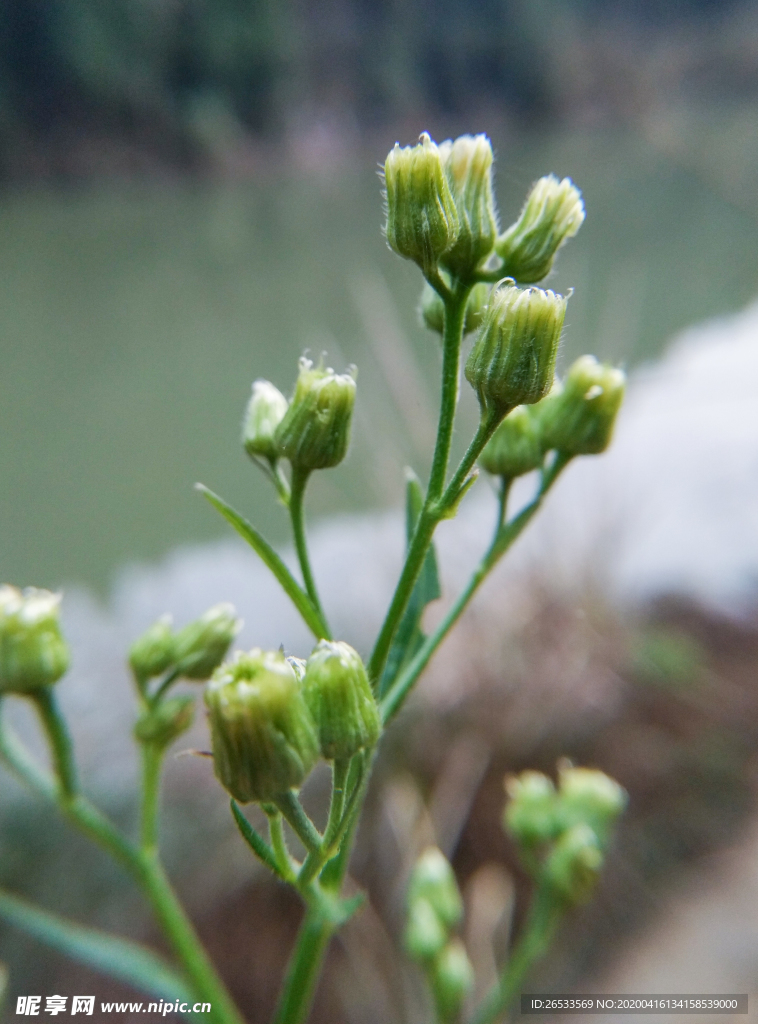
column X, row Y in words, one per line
column 177, row 78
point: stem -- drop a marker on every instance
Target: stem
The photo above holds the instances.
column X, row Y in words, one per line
column 455, row 308
column 163, row 687
column 142, row 866
column 152, row 759
column 297, row 494
column 505, row 535
column 302, row 825
column 542, row 922
column 487, row 426
column 304, row 968
column 185, row 942
column 279, row 842
column 59, row 739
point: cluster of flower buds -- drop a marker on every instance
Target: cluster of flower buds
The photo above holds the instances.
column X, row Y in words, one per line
column 512, row 361
column 192, row 653
column 552, row 214
column 313, row 430
column 33, row 653
column 575, row 418
column 272, row 717
column 564, row 832
column 435, row 910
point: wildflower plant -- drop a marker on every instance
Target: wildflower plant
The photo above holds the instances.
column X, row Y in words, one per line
column 273, row 714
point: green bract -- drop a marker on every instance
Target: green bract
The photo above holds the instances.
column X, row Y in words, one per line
column 201, row 646
column 339, row 697
column 513, row 359
column 553, row 212
column 432, row 308
column 33, row 653
column 532, row 813
column 515, row 447
column 422, row 220
column 579, row 418
column 468, row 166
column 162, row 724
column 264, row 738
column 315, row 431
column 264, row 412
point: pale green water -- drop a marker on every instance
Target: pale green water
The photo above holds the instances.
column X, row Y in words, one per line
column 134, row 320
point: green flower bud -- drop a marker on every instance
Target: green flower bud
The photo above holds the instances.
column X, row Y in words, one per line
column 432, row 308
column 451, row 979
column 513, row 359
column 162, row 724
column 422, row 220
column 468, row 166
column 433, row 880
column 152, row 654
column 532, row 814
column 338, row 695
column 265, row 411
column 588, row 796
column 579, row 419
column 33, row 653
column 315, row 432
column 425, row 935
column 515, row 447
column 298, row 667
column 200, row 647
column 573, row 865
column 553, row 212
column 264, row 738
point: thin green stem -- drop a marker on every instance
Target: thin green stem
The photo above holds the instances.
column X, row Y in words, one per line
column 170, row 679
column 279, row 842
column 143, row 867
column 455, row 308
column 540, row 927
column 505, row 535
column 58, row 737
column 304, row 968
column 297, row 515
column 184, row 940
column 259, row 846
column 487, row 426
column 302, row 825
column 152, row 761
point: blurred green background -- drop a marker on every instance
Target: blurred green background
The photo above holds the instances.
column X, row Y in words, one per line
column 189, row 200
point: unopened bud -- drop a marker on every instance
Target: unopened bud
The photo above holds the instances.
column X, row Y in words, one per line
column 162, row 724
column 152, row 654
column 315, row 432
column 433, row 880
column 531, row 815
column 553, row 212
column 579, row 419
column 451, row 978
column 425, row 935
column 337, row 692
column 265, row 411
column 468, row 165
column 422, row 221
column 573, row 865
column 514, row 448
column 513, row 359
column 33, row 653
column 264, row 738
column 433, row 308
column 590, row 797
column 201, row 646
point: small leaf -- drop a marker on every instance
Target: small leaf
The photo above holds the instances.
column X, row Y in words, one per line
column 257, row 844
column 121, row 958
column 270, row 558
column 409, row 637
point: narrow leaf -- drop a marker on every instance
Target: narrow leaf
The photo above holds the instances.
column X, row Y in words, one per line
column 270, row 558
column 257, row 844
column 409, row 637
column 121, row 958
